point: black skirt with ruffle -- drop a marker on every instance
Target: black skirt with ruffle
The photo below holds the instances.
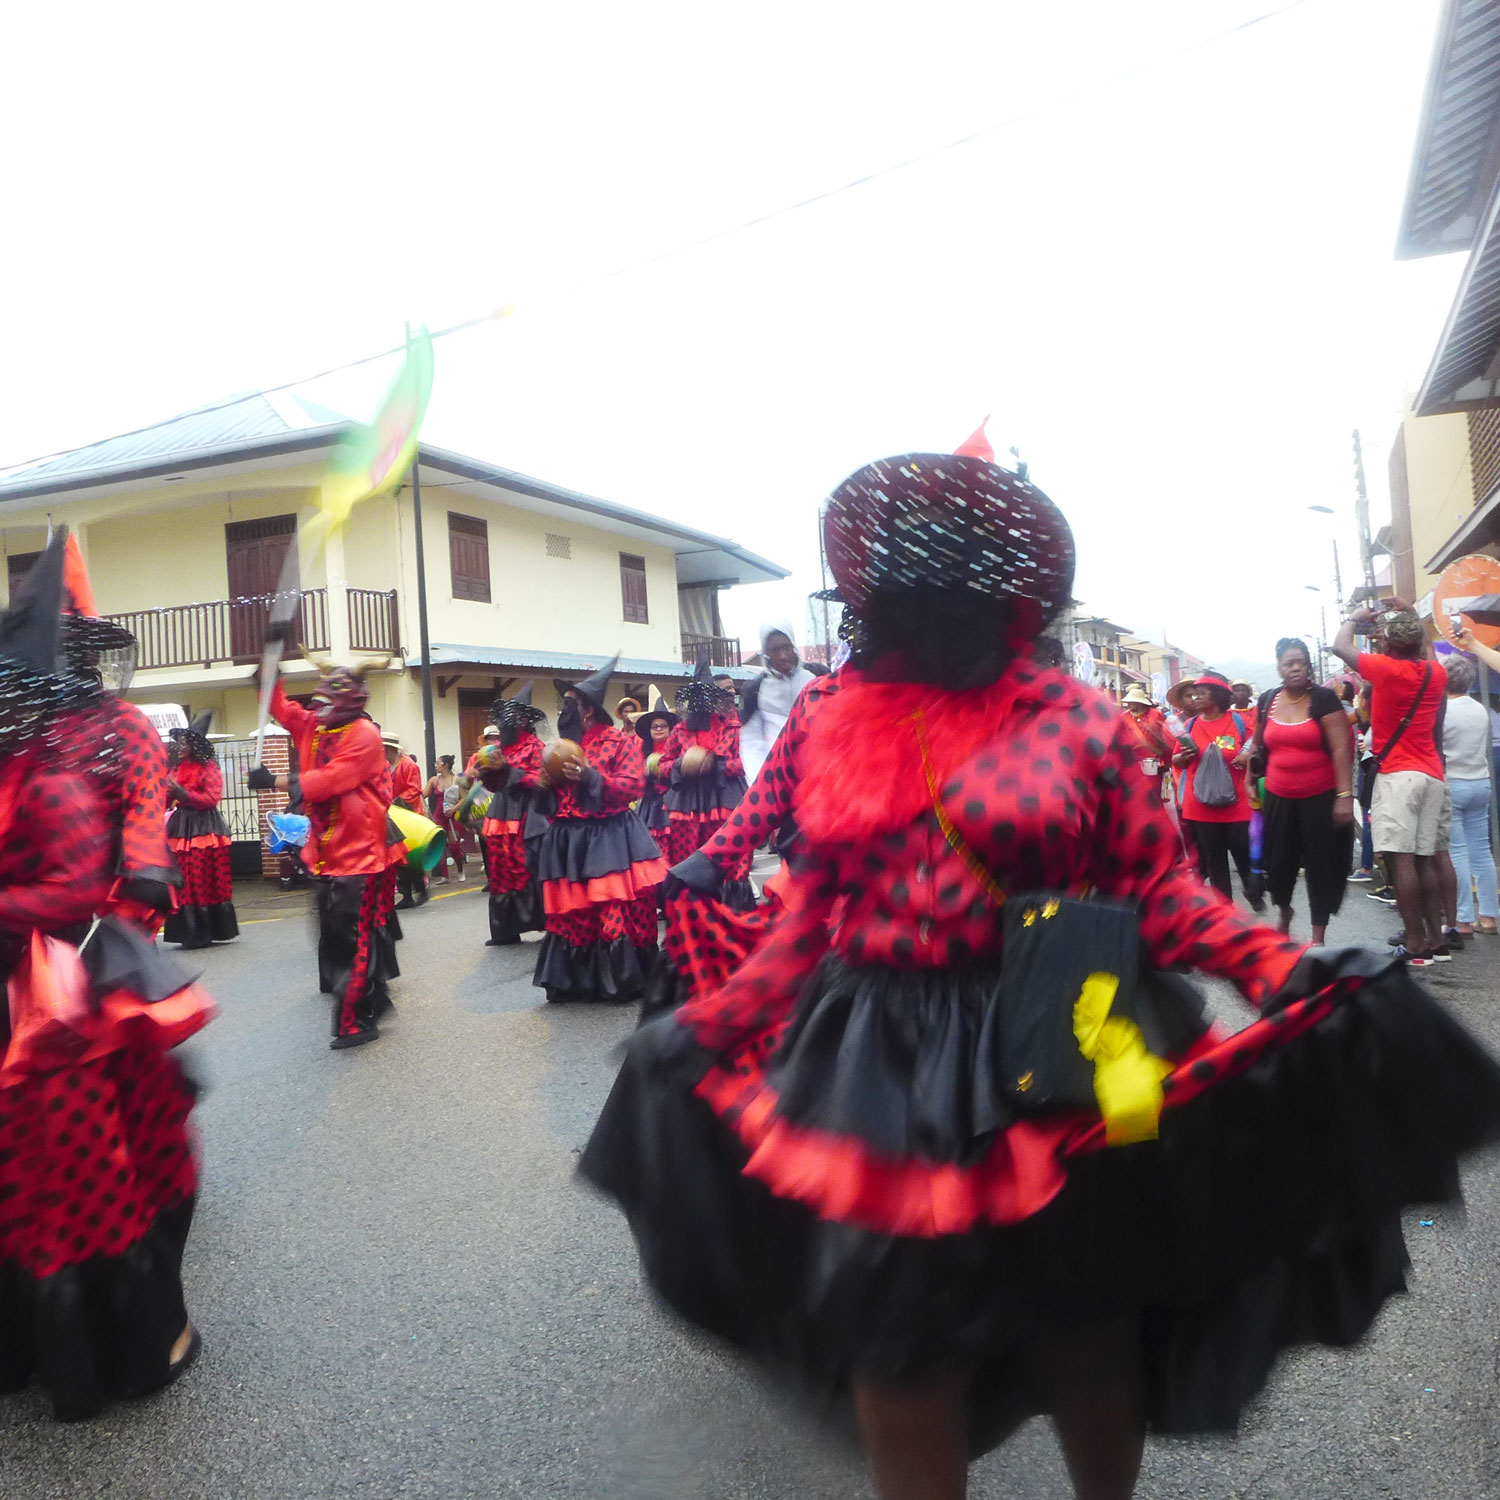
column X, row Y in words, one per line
column 718, row 792
column 1266, row 1214
column 578, row 850
column 195, row 822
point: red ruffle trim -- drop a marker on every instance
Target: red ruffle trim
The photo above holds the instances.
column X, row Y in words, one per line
column 55, row 1023
column 562, row 896
column 843, row 1179
column 199, row 841
column 493, row 826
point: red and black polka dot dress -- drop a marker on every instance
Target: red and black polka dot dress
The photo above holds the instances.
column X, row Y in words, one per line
column 515, row 904
column 97, row 1164
column 198, row 837
column 817, row 1151
column 599, row 870
column 698, row 806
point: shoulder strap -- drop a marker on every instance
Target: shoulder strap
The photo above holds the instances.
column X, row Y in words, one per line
column 956, row 841
column 1405, row 723
column 1187, row 728
column 1239, row 723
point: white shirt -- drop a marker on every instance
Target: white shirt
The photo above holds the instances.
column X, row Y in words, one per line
column 773, row 704
column 1466, row 739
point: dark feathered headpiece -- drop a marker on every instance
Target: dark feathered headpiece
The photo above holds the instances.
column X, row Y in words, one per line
column 193, row 741
column 702, row 695
column 516, row 712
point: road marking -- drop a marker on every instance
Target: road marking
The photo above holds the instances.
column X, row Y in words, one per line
column 469, row 890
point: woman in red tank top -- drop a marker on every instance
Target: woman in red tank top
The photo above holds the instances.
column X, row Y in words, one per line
column 1303, row 736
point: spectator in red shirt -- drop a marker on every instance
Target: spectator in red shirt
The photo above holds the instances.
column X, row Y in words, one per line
column 1410, row 813
column 1218, row 833
column 1243, row 703
column 1148, row 731
column 406, row 791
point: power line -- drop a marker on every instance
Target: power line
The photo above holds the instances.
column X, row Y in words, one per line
column 718, row 235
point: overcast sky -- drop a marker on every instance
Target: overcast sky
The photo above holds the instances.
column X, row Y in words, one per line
column 1167, row 275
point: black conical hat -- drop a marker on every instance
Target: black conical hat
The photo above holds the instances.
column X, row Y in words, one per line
column 594, row 687
column 524, row 696
column 200, row 725
column 30, row 629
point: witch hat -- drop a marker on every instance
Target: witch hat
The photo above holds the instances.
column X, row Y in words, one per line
column 30, row 629
column 659, row 710
column 593, row 687
column 524, row 696
column 199, row 726
column 977, row 444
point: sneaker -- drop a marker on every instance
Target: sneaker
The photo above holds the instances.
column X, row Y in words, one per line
column 462, row 878
column 1385, row 895
column 1396, row 939
column 1362, row 877
column 1454, row 939
column 1416, row 960
column 1442, row 955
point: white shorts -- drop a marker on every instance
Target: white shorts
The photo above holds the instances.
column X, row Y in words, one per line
column 1410, row 813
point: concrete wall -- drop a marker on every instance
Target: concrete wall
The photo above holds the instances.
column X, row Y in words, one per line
column 1439, row 494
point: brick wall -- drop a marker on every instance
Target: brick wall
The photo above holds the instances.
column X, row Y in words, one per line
column 278, row 758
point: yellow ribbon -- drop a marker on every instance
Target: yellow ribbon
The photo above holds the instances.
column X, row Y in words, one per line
column 1127, row 1078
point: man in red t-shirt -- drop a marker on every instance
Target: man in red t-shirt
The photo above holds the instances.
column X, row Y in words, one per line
column 1410, row 813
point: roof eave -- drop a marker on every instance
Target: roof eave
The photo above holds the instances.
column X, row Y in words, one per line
column 277, row 446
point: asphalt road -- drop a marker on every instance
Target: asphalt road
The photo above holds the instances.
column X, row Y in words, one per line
column 404, row 1292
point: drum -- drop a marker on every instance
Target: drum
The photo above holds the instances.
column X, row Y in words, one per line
column 426, row 844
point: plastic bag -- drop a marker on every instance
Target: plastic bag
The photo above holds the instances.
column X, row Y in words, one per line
column 1213, row 783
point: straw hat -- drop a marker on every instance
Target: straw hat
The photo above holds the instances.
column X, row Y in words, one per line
column 1138, row 694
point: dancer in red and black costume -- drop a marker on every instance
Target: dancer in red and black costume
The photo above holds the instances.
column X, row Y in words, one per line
column 826, row 1160
column 653, row 730
column 701, row 766
column 511, row 770
column 198, row 837
column 598, row 867
column 346, row 792
column 98, row 1173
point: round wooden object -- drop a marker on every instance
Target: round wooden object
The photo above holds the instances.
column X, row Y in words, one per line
column 558, row 754
column 696, row 761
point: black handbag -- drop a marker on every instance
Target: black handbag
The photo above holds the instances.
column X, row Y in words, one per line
column 1069, row 980
column 1059, row 950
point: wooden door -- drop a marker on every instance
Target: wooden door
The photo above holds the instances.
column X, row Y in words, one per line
column 255, row 552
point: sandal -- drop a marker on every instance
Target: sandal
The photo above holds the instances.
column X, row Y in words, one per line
column 1488, row 927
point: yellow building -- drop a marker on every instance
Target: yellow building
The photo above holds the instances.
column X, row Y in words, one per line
column 1435, row 482
column 184, row 527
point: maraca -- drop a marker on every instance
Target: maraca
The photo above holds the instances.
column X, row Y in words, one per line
column 653, row 763
column 696, row 761
column 489, row 758
column 559, row 754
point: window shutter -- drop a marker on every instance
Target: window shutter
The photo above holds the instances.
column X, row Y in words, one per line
column 469, row 557
column 633, row 588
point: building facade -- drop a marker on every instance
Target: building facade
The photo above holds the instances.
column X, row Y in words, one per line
column 185, row 528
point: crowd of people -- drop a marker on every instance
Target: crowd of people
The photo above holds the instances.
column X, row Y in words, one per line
column 876, row 1111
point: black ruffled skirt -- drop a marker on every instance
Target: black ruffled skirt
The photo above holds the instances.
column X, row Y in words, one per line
column 706, row 796
column 578, row 850
column 778, row 1197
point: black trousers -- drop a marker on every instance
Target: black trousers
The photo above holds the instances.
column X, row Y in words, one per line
column 1301, row 835
column 1217, row 844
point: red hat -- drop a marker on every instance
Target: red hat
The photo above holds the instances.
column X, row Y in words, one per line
column 1218, row 679
column 953, row 522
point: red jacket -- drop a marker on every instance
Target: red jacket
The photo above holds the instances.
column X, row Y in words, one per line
column 346, row 790
column 200, row 785
column 722, row 737
column 406, row 783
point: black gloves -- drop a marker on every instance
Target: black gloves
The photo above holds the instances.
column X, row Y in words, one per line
column 259, row 779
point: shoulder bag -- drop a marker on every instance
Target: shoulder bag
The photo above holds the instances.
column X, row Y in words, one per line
column 1369, row 767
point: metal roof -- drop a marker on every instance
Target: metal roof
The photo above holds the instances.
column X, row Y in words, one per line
column 1457, row 151
column 1463, row 374
column 566, row 663
column 241, row 423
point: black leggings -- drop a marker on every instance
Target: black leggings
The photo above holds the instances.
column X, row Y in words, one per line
column 1216, row 843
column 1301, row 835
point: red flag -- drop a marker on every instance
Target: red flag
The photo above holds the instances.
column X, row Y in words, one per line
column 977, row 445
column 76, row 577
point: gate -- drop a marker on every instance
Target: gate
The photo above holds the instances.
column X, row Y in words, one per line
column 241, row 806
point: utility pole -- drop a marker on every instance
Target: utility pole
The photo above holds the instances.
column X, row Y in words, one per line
column 1362, row 516
column 429, row 729
column 1338, row 580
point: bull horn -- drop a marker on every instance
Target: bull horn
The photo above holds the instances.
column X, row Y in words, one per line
column 325, row 664
column 374, row 664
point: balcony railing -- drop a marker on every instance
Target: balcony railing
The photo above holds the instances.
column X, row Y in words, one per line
column 222, row 631
column 373, row 622
column 723, row 651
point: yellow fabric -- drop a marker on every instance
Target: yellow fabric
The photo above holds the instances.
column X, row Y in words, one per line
column 1127, row 1078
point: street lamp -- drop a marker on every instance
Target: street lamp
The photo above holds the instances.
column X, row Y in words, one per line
column 1313, row 588
column 1322, row 510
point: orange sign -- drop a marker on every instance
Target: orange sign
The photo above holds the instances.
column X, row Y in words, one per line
column 1463, row 580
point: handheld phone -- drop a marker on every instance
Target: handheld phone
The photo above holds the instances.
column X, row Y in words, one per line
column 1455, row 622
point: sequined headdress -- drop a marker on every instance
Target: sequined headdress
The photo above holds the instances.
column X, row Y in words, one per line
column 702, row 695
column 953, row 523
column 516, row 712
